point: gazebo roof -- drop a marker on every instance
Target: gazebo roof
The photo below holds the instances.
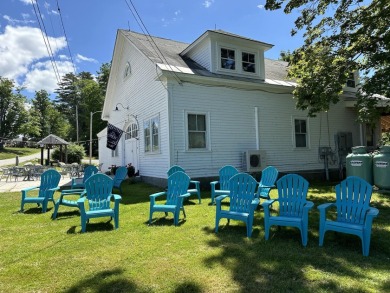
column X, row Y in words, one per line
column 53, row 140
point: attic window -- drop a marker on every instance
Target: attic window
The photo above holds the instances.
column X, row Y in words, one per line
column 248, row 62
column 351, row 80
column 228, row 60
column 127, row 70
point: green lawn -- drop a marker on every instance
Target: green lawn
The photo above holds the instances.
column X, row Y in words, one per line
column 38, row 254
column 9, row 153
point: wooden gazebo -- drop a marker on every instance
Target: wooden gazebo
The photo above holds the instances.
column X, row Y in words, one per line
column 48, row 142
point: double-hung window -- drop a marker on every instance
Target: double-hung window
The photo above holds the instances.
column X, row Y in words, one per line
column 301, row 133
column 248, row 62
column 151, row 134
column 197, row 131
column 228, row 59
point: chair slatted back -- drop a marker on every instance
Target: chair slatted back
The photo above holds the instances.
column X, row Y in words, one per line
column 353, row 197
column 120, row 175
column 225, row 173
column 178, row 184
column 99, row 190
column 89, row 171
column 242, row 188
column 268, row 178
column 292, row 192
column 175, row 169
column 49, row 179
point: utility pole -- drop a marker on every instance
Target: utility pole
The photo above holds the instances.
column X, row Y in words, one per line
column 90, row 136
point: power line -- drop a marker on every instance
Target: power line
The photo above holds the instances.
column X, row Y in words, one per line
column 66, row 38
column 45, row 39
column 150, row 39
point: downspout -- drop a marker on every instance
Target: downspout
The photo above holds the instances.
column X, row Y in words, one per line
column 257, row 128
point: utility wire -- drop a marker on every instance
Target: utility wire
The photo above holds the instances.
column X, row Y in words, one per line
column 45, row 39
column 66, row 38
column 138, row 19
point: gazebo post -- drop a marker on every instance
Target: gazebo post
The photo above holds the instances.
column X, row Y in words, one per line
column 66, row 154
column 42, row 147
column 48, row 155
column 61, row 153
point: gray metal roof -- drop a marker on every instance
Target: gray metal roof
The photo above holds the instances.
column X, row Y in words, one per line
column 52, row 139
column 168, row 52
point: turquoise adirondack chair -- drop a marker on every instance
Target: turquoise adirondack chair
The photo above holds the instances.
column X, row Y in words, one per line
column 120, row 175
column 177, row 190
column 293, row 206
column 267, row 182
column 49, row 184
column 191, row 191
column 97, row 202
column 88, row 172
column 353, row 212
column 225, row 173
column 243, row 202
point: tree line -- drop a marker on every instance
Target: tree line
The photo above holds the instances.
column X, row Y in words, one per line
column 67, row 115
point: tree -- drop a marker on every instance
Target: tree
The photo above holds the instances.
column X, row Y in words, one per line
column 40, row 110
column 341, row 37
column 12, row 111
column 102, row 77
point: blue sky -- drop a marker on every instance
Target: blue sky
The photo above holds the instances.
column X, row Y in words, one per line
column 91, row 26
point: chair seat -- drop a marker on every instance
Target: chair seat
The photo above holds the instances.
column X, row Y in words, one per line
column 69, row 203
column 163, row 208
column 286, row 221
column 342, row 226
column 234, row 215
column 100, row 213
column 220, row 192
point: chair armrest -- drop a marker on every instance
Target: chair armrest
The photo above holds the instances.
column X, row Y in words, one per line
column 219, row 199
column 267, row 203
column 185, row 195
column 266, row 186
column 157, row 194
column 325, row 206
column 54, row 189
column 372, row 212
column 30, row 188
column 214, row 182
column 81, row 200
column 254, row 204
column 117, row 197
column 309, row 205
column 73, row 191
column 154, row 196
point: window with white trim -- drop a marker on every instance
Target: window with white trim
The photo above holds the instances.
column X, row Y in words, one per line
column 197, row 131
column 301, row 133
column 248, row 62
column 131, row 131
column 351, row 80
column 228, row 59
column 151, row 135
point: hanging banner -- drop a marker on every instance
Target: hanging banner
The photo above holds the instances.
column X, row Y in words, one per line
column 113, row 136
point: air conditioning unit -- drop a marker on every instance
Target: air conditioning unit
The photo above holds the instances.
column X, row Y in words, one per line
column 255, row 161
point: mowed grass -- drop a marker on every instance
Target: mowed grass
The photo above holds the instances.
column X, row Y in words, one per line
column 38, row 254
column 11, row 152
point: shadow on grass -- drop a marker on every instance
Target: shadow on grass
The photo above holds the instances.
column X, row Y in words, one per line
column 93, row 227
column 105, row 281
column 282, row 264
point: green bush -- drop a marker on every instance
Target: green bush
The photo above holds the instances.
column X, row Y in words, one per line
column 75, row 153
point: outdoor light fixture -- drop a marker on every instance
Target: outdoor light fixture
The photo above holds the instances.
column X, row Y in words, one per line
column 116, row 107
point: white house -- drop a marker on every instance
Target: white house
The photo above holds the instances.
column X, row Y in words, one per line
column 214, row 102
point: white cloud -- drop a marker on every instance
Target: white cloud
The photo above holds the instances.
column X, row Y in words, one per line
column 80, row 58
column 260, row 6
column 208, row 3
column 27, row 2
column 41, row 75
column 18, row 21
column 21, row 48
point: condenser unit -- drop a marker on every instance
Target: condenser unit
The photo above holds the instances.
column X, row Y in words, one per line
column 254, row 160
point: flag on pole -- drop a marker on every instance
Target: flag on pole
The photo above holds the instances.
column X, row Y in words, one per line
column 113, row 136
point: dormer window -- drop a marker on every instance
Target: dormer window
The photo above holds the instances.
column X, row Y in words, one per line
column 351, row 80
column 228, row 60
column 248, row 62
column 238, row 61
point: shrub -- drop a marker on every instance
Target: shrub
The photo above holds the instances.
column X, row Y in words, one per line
column 75, row 153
